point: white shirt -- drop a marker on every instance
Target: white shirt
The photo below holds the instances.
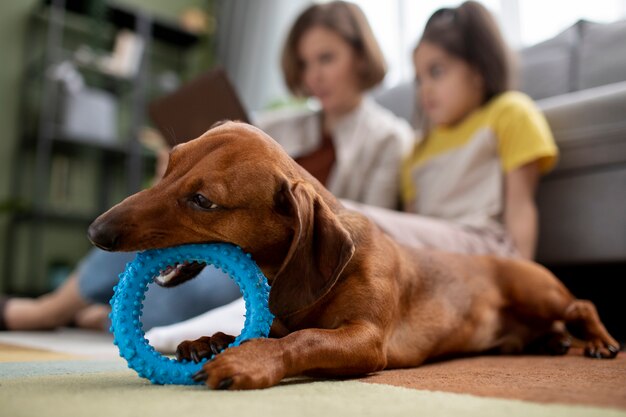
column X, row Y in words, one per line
column 370, row 144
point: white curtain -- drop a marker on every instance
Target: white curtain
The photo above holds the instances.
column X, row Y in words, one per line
column 250, row 37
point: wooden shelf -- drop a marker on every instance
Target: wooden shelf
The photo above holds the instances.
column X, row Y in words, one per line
column 124, row 17
column 53, row 35
column 53, row 216
column 114, row 146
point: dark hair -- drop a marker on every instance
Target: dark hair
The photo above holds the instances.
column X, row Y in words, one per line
column 471, row 33
column 349, row 22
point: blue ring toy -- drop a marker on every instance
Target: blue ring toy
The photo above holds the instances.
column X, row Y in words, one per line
column 127, row 305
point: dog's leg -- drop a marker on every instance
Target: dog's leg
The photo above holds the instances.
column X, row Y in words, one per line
column 556, row 341
column 539, row 298
column 261, row 363
column 582, row 315
column 204, row 347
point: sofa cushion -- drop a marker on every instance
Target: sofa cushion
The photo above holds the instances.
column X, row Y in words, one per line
column 589, row 126
column 546, row 69
column 399, row 99
column 582, row 202
column 582, row 217
column 602, row 55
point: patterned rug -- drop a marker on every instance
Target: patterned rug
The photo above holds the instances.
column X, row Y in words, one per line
column 75, row 373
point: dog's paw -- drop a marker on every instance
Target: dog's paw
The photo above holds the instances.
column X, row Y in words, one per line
column 552, row 343
column 205, row 347
column 253, row 365
column 601, row 349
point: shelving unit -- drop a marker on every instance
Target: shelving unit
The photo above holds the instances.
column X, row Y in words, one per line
column 117, row 160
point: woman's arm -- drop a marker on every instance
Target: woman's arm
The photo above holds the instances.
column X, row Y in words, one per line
column 520, row 210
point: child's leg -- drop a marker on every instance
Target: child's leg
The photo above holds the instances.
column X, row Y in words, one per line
column 91, row 284
column 426, row 232
column 212, row 288
column 94, row 317
column 46, row 312
column 228, row 319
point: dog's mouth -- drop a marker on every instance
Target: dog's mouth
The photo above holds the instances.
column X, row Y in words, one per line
column 178, row 273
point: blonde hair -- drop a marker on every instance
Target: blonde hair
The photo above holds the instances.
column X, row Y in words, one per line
column 348, row 21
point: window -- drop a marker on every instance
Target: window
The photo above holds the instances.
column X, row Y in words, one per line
column 397, row 24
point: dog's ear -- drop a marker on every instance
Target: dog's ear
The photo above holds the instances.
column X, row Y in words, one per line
column 320, row 250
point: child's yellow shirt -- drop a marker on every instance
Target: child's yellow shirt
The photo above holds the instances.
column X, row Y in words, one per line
column 457, row 173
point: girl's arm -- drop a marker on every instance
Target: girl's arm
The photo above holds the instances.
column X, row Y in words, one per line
column 520, row 212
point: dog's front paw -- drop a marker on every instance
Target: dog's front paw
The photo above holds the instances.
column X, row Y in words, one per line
column 253, row 365
column 602, row 349
column 205, row 347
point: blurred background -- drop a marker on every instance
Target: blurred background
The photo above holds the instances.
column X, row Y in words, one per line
column 78, row 76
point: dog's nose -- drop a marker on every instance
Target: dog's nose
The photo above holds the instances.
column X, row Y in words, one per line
column 102, row 235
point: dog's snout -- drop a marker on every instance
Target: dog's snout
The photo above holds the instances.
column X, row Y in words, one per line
column 102, row 235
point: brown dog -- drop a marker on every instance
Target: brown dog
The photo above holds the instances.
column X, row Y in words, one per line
column 347, row 298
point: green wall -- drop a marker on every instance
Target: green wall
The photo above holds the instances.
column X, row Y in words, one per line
column 13, row 19
column 13, row 15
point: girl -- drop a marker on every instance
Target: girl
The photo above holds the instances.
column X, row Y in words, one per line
column 352, row 145
column 470, row 182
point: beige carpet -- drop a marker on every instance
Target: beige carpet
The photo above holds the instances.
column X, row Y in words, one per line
column 39, row 382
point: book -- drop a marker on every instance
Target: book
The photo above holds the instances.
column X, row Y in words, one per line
column 191, row 110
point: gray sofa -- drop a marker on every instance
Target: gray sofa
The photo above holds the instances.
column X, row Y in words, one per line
column 578, row 79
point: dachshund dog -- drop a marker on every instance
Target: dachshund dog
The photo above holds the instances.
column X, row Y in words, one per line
column 348, row 299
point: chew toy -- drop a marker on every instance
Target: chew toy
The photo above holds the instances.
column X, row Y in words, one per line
column 127, row 305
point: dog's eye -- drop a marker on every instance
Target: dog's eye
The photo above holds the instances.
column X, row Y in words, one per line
column 202, row 202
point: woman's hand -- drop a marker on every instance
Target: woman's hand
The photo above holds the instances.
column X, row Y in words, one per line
column 520, row 210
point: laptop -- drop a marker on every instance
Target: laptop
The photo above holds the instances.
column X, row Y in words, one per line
column 191, row 110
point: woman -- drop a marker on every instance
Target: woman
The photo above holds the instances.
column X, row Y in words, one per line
column 351, row 145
